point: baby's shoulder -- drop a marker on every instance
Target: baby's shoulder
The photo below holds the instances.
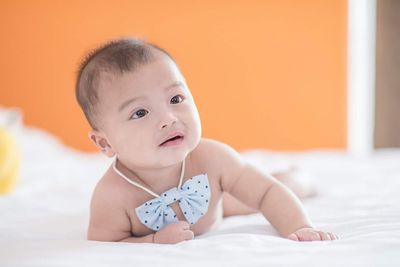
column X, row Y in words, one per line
column 213, row 153
column 213, row 148
column 111, row 190
column 205, row 150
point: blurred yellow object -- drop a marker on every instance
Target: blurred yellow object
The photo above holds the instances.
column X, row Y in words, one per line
column 10, row 159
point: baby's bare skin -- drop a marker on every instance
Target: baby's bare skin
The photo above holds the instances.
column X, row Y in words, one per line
column 127, row 197
column 137, row 112
column 113, row 216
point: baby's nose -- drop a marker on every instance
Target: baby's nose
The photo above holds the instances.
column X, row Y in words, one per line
column 168, row 119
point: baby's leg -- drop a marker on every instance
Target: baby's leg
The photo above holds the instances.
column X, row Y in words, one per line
column 233, row 206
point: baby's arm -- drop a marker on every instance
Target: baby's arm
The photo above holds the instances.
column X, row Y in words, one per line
column 110, row 222
column 262, row 192
column 108, row 219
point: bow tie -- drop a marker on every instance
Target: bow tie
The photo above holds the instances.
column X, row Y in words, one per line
column 193, row 199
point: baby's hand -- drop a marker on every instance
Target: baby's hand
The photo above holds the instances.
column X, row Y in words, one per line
column 310, row 234
column 174, row 233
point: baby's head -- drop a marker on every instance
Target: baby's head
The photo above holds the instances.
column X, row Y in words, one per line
column 135, row 99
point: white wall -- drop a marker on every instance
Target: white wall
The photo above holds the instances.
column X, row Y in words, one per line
column 361, row 76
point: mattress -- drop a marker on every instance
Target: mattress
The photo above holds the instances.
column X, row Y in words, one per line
column 44, row 220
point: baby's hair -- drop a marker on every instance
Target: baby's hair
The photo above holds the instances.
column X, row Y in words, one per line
column 116, row 57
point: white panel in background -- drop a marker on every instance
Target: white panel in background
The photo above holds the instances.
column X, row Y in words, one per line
column 361, row 76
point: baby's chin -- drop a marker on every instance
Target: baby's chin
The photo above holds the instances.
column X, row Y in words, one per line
column 170, row 158
column 178, row 152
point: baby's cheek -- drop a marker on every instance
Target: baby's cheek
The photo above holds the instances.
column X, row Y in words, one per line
column 196, row 127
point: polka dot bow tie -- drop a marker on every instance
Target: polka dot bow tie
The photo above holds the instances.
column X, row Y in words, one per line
column 193, row 198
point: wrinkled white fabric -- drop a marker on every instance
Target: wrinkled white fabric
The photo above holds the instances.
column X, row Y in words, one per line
column 44, row 221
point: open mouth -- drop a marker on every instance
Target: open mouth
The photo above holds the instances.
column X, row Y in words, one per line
column 173, row 141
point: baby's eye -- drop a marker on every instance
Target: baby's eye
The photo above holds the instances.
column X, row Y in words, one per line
column 138, row 114
column 177, row 99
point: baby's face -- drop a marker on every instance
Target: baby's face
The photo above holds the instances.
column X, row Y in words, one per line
column 140, row 111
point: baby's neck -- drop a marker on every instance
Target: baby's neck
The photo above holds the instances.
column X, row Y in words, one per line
column 158, row 180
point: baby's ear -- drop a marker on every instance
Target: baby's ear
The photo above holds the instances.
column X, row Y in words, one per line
column 101, row 142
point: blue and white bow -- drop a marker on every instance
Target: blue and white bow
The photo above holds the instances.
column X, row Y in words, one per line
column 193, row 198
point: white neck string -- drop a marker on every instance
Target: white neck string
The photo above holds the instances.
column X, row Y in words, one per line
column 182, row 173
column 141, row 186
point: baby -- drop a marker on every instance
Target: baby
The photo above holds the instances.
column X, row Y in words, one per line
column 167, row 184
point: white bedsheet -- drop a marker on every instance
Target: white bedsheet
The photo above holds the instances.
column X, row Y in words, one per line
column 43, row 222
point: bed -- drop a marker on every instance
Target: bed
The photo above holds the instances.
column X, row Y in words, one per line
column 44, row 220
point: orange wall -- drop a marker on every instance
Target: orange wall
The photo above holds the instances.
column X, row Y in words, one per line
column 268, row 74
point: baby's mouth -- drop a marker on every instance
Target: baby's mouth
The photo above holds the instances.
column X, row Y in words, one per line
column 177, row 139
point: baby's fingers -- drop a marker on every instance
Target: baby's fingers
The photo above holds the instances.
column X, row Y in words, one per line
column 188, row 235
column 305, row 236
column 333, row 236
column 184, row 225
column 309, row 236
column 293, row 237
column 324, row 236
